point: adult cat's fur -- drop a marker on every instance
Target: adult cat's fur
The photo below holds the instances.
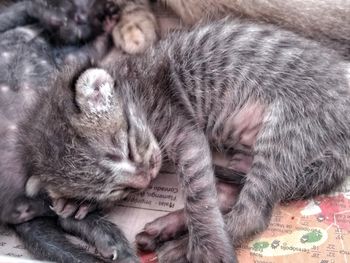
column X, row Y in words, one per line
column 326, row 21
column 258, row 89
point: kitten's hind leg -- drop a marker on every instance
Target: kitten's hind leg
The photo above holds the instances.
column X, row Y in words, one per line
column 323, row 175
column 45, row 240
column 174, row 224
column 106, row 237
column 285, row 146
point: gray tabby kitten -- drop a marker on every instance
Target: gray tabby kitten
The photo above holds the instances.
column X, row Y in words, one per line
column 258, row 89
column 28, row 61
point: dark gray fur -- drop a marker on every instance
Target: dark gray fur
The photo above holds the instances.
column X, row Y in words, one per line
column 45, row 238
column 26, row 64
column 66, row 22
column 212, row 87
column 28, row 61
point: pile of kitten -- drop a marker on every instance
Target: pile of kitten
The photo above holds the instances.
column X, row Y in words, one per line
column 96, row 94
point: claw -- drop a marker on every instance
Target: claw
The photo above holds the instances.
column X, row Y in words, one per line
column 154, row 259
column 115, row 255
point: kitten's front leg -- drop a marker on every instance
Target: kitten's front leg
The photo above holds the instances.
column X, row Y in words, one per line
column 108, row 239
column 173, row 225
column 208, row 240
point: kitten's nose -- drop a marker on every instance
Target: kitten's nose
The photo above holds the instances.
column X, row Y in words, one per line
column 81, row 18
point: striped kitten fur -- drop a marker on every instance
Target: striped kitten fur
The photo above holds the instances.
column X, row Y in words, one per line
column 266, row 92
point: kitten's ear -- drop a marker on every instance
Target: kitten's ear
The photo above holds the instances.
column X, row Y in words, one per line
column 94, row 91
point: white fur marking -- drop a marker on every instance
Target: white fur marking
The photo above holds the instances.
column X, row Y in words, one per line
column 26, row 86
column 348, row 75
column 4, row 88
column 12, row 127
column 5, row 55
column 28, row 69
column 33, row 186
column 123, row 166
column 28, row 32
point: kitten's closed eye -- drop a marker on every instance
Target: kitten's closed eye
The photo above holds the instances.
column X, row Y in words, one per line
column 114, row 157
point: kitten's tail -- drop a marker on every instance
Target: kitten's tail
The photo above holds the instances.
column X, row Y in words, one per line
column 45, row 240
column 327, row 21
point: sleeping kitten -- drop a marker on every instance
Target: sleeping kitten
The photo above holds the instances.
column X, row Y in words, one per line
column 29, row 60
column 23, row 74
column 67, row 21
column 263, row 91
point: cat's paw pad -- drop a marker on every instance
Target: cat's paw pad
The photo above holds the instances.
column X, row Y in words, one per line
column 66, row 208
column 135, row 33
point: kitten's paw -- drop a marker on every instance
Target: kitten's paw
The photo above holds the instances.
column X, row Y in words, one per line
column 66, row 208
column 243, row 224
column 105, row 236
column 213, row 247
column 211, row 254
column 177, row 251
column 135, row 32
column 173, row 251
column 160, row 230
column 112, row 245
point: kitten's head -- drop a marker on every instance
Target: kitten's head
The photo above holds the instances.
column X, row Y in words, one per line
column 88, row 143
column 70, row 21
